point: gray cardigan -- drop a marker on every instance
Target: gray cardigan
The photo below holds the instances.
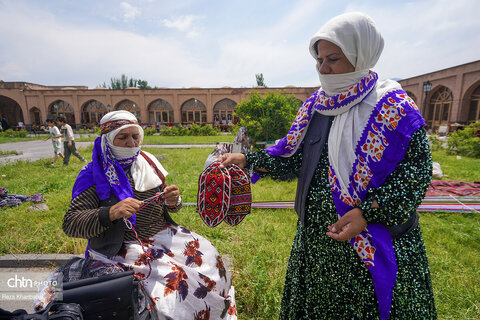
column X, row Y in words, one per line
column 313, row 143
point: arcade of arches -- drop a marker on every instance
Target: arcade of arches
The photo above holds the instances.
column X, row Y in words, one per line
column 454, row 97
column 32, row 104
column 453, row 101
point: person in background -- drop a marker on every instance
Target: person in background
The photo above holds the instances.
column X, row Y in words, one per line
column 5, row 125
column 56, row 140
column 361, row 152
column 68, row 142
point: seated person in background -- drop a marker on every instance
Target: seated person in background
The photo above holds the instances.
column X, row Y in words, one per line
column 185, row 275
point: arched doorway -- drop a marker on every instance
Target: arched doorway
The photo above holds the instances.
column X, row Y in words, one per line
column 11, row 111
column 439, row 108
column 129, row 106
column 474, row 110
column 61, row 108
column 92, row 112
column 160, row 111
column 35, row 116
column 223, row 111
column 194, row 111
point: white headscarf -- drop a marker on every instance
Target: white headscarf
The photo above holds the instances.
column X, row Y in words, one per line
column 359, row 39
column 361, row 42
column 143, row 174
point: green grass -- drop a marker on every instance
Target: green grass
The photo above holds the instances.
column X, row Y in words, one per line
column 176, row 139
column 8, row 153
column 19, row 139
column 465, row 169
column 260, row 246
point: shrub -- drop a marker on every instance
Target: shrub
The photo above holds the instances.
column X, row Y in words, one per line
column 195, row 130
column 465, row 142
column 149, row 131
column 267, row 117
column 14, row 133
column 435, row 143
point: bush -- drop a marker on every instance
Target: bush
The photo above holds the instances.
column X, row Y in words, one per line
column 435, row 143
column 195, row 130
column 465, row 142
column 14, row 134
column 149, row 131
column 268, row 117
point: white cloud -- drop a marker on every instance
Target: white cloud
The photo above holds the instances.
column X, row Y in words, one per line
column 129, row 12
column 52, row 50
column 184, row 24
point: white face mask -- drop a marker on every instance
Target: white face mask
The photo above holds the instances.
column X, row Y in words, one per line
column 121, row 153
column 334, row 84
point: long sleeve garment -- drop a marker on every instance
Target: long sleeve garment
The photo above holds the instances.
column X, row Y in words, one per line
column 67, row 132
column 85, row 217
column 325, row 278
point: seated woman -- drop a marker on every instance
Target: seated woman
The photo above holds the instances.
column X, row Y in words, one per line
column 181, row 271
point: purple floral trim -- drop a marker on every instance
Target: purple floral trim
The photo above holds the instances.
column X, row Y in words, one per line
column 318, row 101
column 361, row 89
column 382, row 146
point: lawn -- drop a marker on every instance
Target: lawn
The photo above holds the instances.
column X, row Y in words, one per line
column 175, row 139
column 261, row 244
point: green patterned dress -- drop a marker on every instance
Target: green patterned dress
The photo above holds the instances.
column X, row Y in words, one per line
column 325, row 278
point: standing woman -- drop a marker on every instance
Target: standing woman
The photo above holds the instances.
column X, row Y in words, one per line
column 182, row 272
column 360, row 150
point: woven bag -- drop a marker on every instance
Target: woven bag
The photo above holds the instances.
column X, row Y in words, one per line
column 224, row 194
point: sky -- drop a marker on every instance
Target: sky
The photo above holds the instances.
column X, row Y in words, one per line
column 211, row 44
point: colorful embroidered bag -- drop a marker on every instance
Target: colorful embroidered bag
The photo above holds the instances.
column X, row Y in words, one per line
column 241, row 196
column 224, row 194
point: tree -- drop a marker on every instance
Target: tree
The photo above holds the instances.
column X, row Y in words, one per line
column 267, row 117
column 124, row 82
column 260, row 80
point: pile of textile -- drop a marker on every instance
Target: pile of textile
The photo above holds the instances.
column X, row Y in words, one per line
column 13, row 200
column 454, row 188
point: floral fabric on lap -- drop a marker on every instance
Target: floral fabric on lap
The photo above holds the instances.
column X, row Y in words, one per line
column 188, row 279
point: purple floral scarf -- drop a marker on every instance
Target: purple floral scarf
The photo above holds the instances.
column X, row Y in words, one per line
column 382, row 145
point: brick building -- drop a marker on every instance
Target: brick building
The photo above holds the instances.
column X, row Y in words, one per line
column 33, row 104
column 452, row 100
column 448, row 97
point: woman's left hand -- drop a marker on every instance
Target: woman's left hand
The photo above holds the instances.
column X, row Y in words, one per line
column 171, row 195
column 348, row 226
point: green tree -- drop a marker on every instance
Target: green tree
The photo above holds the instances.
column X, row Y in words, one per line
column 143, row 84
column 465, row 142
column 125, row 82
column 267, row 117
column 260, row 80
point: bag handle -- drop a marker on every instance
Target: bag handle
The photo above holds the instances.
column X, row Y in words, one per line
column 152, row 164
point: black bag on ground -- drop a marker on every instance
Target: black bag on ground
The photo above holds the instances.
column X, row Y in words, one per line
column 110, row 296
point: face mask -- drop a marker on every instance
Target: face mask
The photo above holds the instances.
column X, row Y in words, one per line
column 123, row 153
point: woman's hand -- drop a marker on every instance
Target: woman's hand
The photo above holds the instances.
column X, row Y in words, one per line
column 236, row 158
column 125, row 208
column 348, row 226
column 171, row 195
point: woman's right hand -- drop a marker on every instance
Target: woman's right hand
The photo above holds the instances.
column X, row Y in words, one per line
column 125, row 208
column 233, row 158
